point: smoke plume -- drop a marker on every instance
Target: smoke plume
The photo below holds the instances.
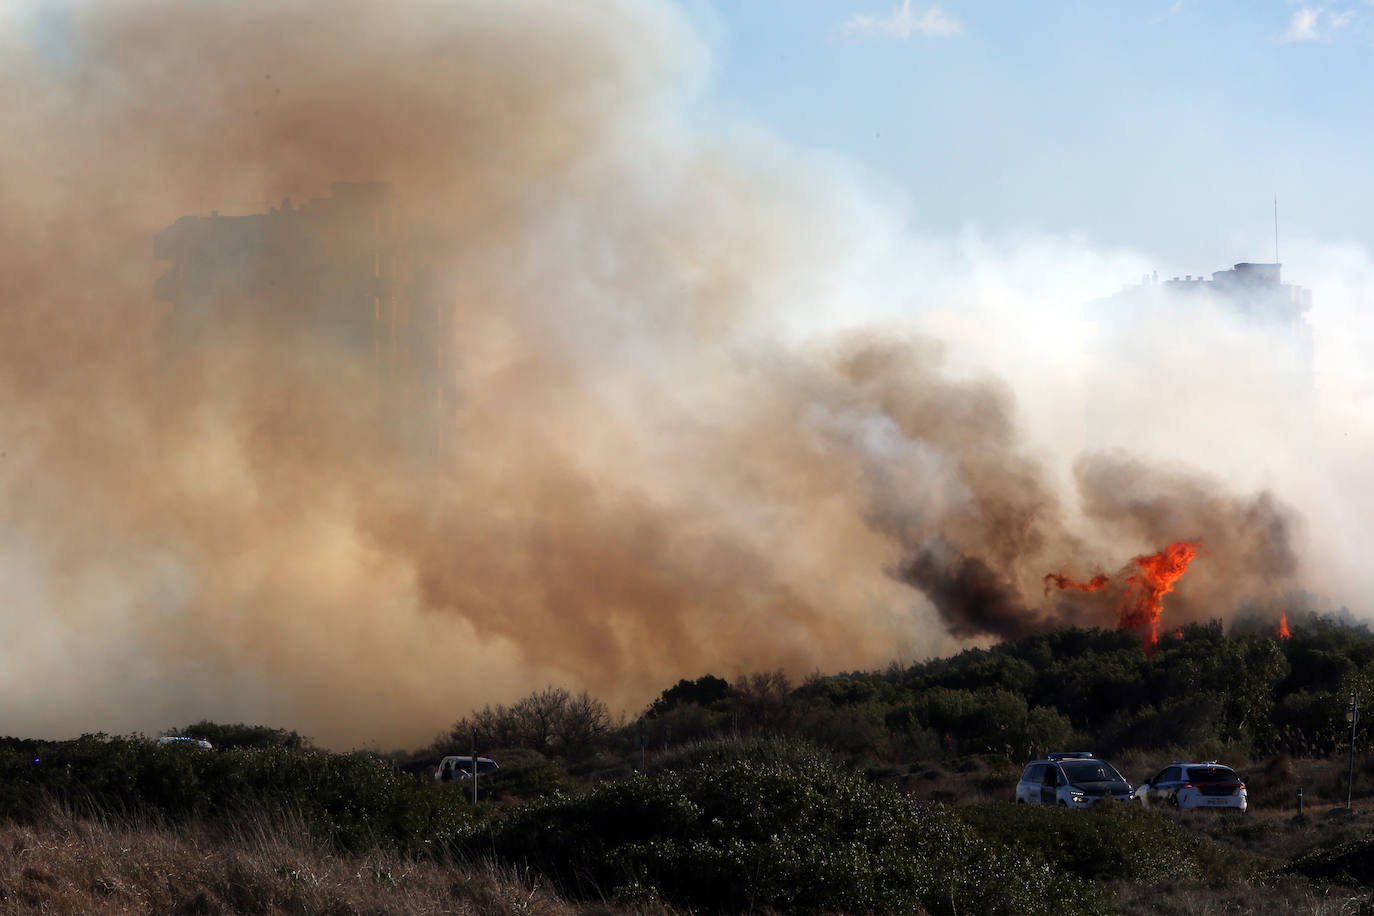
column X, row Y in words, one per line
column 654, row 459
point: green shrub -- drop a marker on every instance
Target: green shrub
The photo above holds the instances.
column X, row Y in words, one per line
column 1351, row 862
column 352, row 801
column 524, row 775
column 240, row 735
column 1107, row 841
column 706, row 691
column 773, row 824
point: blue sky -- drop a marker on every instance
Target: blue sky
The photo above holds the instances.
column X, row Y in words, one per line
column 1166, row 128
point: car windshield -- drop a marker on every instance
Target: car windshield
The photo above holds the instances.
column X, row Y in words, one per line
column 1081, row 771
column 1212, row 774
column 464, row 765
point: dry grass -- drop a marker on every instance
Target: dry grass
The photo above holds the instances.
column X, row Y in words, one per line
column 1196, row 899
column 69, row 864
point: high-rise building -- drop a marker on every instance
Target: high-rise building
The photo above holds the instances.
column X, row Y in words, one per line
column 334, row 277
column 1253, row 293
column 1195, row 356
column 1254, row 290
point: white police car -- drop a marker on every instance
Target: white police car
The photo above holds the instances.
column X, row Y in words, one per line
column 1186, row 784
column 1071, row 780
column 451, row 768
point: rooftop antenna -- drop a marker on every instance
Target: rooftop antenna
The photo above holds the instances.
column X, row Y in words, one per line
column 1276, row 228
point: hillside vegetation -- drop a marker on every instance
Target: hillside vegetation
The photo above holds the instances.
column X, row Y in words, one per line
column 881, row 792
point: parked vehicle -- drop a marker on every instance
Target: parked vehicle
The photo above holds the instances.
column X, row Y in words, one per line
column 451, row 768
column 1071, row 780
column 184, row 741
column 1186, row 784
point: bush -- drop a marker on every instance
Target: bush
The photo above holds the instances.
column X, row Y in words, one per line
column 352, row 801
column 240, row 735
column 1349, row 863
column 986, row 719
column 773, row 824
column 552, row 721
column 524, row 775
column 684, row 723
column 707, row 690
column 1101, row 843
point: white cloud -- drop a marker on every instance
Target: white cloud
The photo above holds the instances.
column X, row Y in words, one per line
column 1174, row 9
column 903, row 22
column 1303, row 25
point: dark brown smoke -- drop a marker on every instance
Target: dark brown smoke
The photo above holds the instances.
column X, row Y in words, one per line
column 971, row 598
column 1248, row 542
column 629, row 478
column 980, row 546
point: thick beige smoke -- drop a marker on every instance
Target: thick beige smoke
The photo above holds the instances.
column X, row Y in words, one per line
column 640, row 477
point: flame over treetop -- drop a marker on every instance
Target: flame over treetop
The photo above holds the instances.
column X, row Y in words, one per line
column 1284, row 632
column 1149, row 578
column 1101, row 580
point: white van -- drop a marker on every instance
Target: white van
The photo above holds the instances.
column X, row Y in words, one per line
column 451, row 768
column 1071, row 780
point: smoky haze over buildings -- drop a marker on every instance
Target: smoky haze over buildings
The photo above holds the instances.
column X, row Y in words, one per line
column 570, row 434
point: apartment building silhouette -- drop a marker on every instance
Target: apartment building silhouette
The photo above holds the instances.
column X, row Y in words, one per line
column 336, row 277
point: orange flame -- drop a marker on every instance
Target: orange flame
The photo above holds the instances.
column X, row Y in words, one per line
column 1284, row 632
column 1064, row 581
column 1152, row 578
column 1144, row 600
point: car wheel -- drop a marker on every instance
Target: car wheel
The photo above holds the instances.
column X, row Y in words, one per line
column 1020, row 801
column 1063, row 804
column 1173, row 801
